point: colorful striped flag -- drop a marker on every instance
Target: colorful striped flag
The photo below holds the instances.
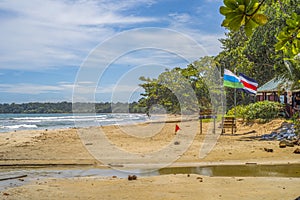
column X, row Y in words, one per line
column 250, row 85
column 231, row 80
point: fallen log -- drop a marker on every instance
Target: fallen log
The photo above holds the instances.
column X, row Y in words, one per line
column 13, row 177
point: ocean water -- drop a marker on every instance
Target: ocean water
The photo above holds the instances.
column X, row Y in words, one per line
column 12, row 122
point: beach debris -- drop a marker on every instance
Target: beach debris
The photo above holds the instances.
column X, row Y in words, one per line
column 282, row 144
column 13, row 177
column 5, row 194
column 250, row 163
column 268, row 150
column 286, row 132
column 176, row 143
column 200, row 179
column 114, row 177
column 286, row 143
column 115, row 165
column 289, row 144
column 132, row 177
column 297, row 151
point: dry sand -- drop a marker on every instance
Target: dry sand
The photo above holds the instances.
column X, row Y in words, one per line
column 167, row 187
column 64, row 147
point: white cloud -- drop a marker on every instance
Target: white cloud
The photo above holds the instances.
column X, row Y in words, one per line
column 188, row 24
column 181, row 18
column 28, row 88
column 58, row 33
column 61, row 33
column 145, row 46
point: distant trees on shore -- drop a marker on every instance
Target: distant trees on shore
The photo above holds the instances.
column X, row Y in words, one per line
column 67, row 107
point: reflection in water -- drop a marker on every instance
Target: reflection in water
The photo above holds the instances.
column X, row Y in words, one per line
column 291, row 170
column 33, row 174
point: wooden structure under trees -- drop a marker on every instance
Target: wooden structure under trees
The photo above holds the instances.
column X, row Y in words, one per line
column 207, row 114
column 281, row 91
column 229, row 123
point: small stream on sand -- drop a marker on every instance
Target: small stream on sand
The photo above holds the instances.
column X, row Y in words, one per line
column 7, row 175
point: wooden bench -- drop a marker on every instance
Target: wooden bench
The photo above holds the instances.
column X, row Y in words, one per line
column 207, row 114
column 229, row 123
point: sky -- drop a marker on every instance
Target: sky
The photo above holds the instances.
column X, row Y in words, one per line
column 53, row 50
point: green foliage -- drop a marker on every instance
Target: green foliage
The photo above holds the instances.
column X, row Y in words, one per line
column 256, row 55
column 248, row 16
column 66, row 107
column 240, row 111
column 265, row 110
column 289, row 37
column 181, row 84
column 242, row 13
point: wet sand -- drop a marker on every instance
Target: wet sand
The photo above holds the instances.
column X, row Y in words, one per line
column 67, row 148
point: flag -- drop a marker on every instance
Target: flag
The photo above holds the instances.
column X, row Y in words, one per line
column 177, row 128
column 250, row 85
column 231, row 80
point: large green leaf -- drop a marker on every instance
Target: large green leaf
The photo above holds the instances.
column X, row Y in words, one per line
column 279, row 45
column 236, row 22
column 248, row 30
column 232, row 15
column 291, row 23
column 283, row 35
column 231, row 4
column 294, row 48
column 225, row 10
column 252, row 8
column 249, row 3
column 250, row 26
column 225, row 23
column 241, row 2
column 260, row 19
column 242, row 8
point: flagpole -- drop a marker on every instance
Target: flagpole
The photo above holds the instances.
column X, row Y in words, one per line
column 234, row 102
column 235, row 98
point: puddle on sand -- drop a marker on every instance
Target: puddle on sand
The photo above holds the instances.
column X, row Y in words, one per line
column 253, row 170
column 34, row 174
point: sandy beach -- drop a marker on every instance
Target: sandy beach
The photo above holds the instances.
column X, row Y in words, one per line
column 158, row 141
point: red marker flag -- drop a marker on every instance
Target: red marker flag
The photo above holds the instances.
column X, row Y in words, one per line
column 177, row 128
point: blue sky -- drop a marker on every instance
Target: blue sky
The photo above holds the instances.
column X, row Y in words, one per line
column 44, row 44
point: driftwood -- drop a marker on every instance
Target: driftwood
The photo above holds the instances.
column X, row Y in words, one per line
column 13, row 177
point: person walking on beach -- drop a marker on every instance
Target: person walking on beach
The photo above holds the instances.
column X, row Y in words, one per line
column 297, row 103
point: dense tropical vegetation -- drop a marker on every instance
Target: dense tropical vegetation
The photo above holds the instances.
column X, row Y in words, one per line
column 263, row 42
column 262, row 110
column 174, row 89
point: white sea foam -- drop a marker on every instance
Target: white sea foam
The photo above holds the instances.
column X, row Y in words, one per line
column 10, row 122
column 18, row 126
